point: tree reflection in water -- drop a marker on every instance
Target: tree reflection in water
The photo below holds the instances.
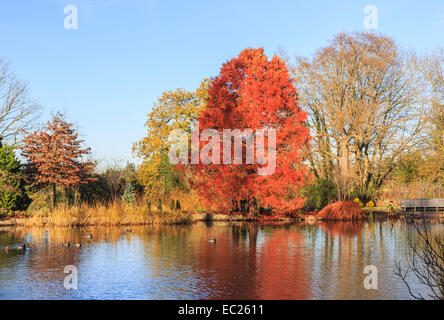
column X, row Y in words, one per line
column 323, row 260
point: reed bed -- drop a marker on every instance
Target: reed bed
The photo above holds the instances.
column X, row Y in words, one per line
column 115, row 214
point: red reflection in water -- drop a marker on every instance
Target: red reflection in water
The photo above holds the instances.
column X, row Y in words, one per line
column 342, row 228
column 283, row 267
column 247, row 263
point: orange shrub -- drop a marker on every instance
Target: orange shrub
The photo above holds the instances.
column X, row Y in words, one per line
column 342, row 210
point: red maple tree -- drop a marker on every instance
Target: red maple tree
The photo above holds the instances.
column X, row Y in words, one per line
column 54, row 156
column 252, row 92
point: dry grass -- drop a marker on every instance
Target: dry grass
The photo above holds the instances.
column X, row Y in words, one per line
column 342, row 210
column 99, row 215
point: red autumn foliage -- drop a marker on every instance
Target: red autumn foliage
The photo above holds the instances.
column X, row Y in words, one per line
column 343, row 228
column 252, row 92
column 342, row 210
column 54, row 156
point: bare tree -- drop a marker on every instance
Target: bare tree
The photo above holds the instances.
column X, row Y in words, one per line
column 361, row 94
column 426, row 262
column 17, row 110
column 432, row 67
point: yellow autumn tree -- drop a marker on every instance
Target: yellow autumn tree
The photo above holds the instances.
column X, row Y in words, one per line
column 174, row 110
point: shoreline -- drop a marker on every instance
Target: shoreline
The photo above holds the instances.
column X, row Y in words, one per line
column 187, row 219
column 209, row 217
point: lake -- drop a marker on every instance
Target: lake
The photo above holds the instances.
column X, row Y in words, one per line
column 247, row 261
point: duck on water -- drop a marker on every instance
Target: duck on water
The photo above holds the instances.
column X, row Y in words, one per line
column 69, row 244
column 20, row 247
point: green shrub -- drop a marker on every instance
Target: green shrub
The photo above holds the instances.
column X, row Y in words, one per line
column 129, row 195
column 319, row 194
column 13, row 190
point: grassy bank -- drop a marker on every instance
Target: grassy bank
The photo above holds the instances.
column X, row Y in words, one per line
column 100, row 215
column 383, row 209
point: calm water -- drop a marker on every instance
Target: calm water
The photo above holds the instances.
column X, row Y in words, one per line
column 248, row 261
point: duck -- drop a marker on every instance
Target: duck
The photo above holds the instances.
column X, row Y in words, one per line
column 212, row 240
column 32, row 245
column 89, row 236
column 68, row 244
column 6, row 249
column 78, row 245
column 21, row 247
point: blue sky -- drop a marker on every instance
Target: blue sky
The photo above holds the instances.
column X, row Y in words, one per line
column 106, row 75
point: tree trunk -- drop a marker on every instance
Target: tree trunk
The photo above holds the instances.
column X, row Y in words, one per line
column 252, row 208
column 54, row 195
column 76, row 197
column 344, row 158
column 344, row 169
column 65, row 196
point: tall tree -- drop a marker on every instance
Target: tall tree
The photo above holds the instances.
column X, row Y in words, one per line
column 13, row 193
column 362, row 97
column 17, row 110
column 55, row 156
column 253, row 92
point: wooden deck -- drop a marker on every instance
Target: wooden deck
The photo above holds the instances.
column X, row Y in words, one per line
column 422, row 205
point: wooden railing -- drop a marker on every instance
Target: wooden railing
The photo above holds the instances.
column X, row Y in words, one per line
column 422, row 205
